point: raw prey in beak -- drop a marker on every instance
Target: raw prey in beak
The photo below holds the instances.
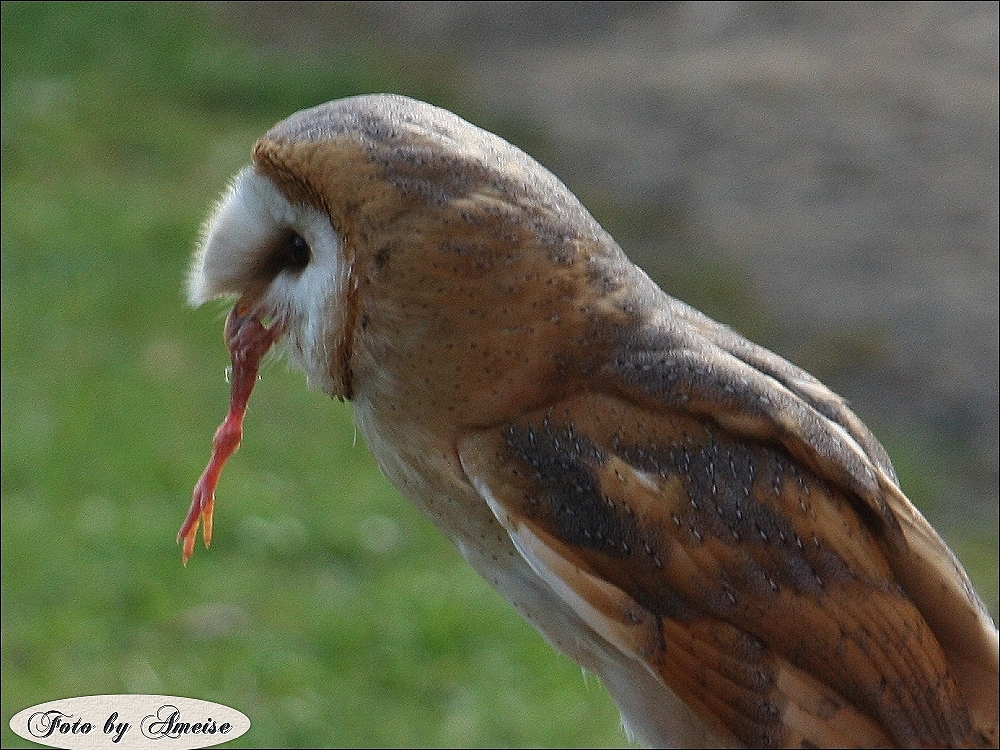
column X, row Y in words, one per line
column 248, row 340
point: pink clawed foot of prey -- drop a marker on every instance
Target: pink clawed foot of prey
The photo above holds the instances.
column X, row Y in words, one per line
column 248, row 341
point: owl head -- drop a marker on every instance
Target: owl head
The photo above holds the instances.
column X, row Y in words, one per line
column 447, row 221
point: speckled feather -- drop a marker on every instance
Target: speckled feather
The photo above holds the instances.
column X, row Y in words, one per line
column 696, row 520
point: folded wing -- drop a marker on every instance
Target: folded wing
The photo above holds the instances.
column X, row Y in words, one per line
column 746, row 569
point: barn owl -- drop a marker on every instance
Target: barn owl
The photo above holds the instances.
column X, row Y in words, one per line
column 701, row 524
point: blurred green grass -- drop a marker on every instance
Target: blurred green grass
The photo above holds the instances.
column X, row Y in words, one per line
column 327, row 610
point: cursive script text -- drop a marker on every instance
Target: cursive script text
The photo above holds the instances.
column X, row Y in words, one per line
column 167, row 723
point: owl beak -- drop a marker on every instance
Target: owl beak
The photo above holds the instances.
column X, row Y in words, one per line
column 249, row 336
column 248, row 340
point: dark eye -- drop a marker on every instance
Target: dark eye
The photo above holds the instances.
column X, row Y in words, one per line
column 297, row 252
column 289, row 253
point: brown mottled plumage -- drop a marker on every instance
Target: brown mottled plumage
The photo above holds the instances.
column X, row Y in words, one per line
column 700, row 523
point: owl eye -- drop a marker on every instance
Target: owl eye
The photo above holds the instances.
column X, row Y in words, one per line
column 290, row 253
column 297, row 253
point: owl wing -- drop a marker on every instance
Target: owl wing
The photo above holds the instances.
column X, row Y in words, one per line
column 708, row 369
column 720, row 517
